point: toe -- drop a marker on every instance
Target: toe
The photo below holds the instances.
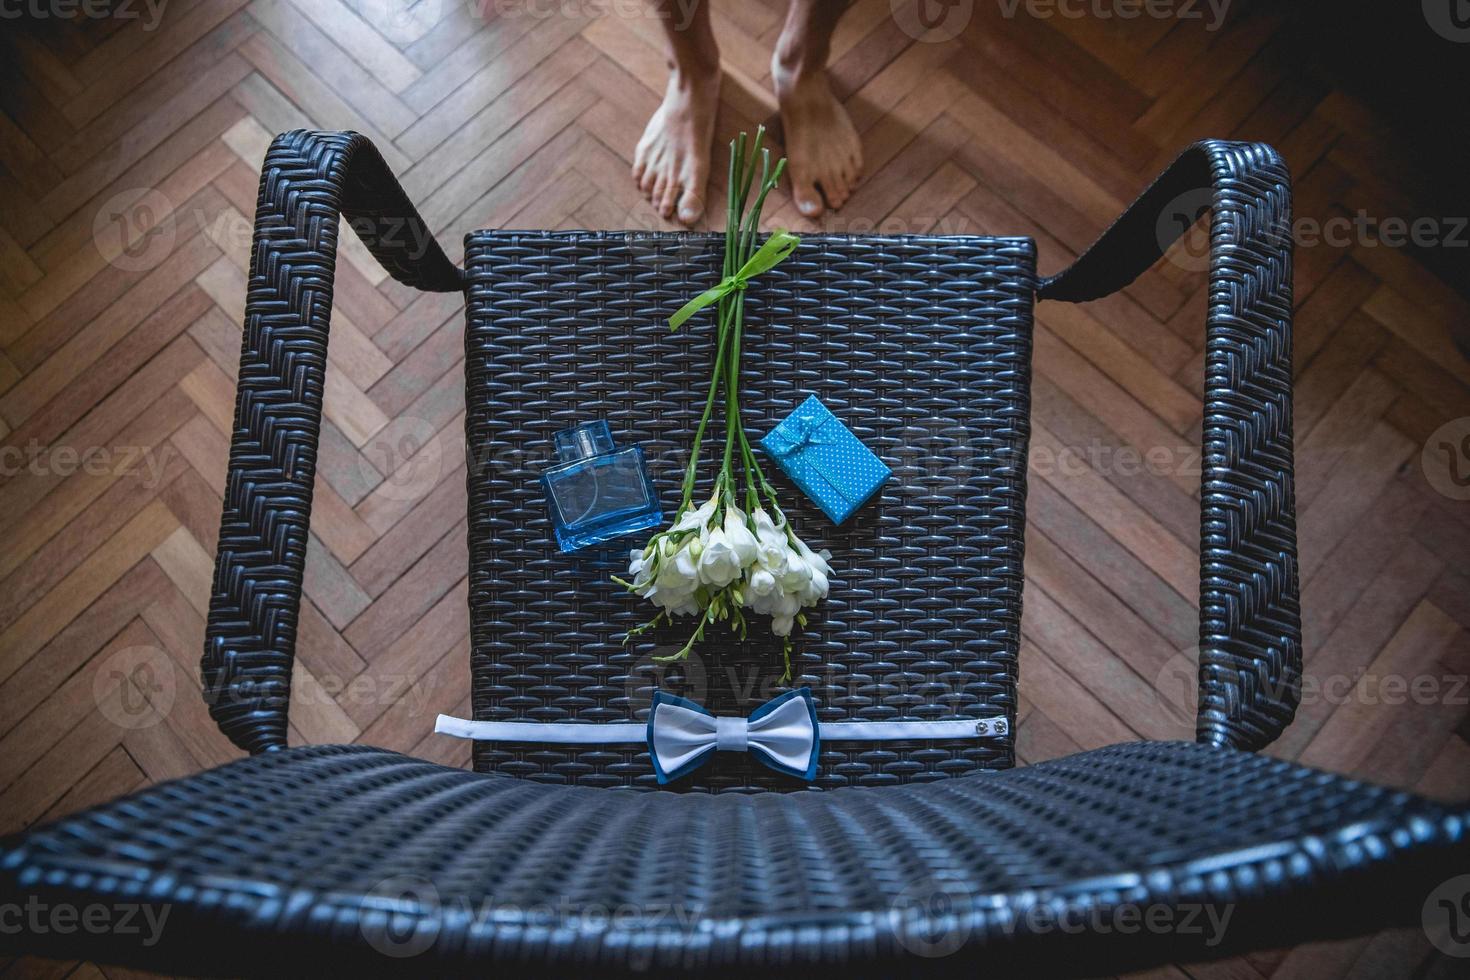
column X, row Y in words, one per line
column 845, row 183
column 690, row 207
column 667, row 199
column 696, row 181
column 835, row 188
column 808, row 201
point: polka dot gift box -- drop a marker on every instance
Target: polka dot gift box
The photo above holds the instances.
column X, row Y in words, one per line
column 824, row 459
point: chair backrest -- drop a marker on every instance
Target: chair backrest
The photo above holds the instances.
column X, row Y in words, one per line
column 920, row 345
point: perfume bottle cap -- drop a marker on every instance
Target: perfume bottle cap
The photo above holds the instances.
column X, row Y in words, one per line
column 584, row 441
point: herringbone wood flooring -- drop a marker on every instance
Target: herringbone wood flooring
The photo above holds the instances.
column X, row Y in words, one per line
column 130, row 157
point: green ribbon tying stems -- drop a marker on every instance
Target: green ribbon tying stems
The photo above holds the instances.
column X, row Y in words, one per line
column 776, row 248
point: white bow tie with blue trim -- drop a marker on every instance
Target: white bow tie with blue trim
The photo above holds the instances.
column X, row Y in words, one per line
column 783, row 733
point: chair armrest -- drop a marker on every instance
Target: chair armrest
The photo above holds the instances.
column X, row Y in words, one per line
column 1250, row 618
column 307, row 181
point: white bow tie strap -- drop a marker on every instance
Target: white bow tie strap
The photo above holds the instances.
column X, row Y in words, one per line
column 549, row 732
column 783, row 733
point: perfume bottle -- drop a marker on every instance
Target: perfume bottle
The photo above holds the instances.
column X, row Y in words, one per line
column 597, row 492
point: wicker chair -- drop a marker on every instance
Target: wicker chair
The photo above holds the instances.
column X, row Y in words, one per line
column 927, row 855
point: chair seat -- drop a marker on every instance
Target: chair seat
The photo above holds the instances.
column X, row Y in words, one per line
column 358, row 858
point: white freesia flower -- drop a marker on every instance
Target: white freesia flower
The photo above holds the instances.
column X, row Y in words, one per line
column 673, row 587
column 815, row 589
column 783, row 615
column 719, row 565
column 694, row 519
column 738, row 534
column 798, row 574
column 771, row 539
column 641, row 569
column 761, row 581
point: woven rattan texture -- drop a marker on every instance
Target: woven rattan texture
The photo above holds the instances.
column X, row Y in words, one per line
column 307, row 181
column 1250, row 617
column 920, row 345
column 317, row 847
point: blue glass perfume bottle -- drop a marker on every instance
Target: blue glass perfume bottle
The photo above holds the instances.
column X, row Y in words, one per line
column 597, row 492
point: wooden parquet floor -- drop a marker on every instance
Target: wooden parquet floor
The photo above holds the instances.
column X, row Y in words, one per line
column 129, row 155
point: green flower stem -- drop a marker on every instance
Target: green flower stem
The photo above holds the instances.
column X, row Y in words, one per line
column 732, row 381
column 753, row 474
column 732, row 385
column 739, row 242
column 741, row 230
column 739, row 177
column 716, row 375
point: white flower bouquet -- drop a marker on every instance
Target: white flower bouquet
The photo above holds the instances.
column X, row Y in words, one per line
column 718, row 562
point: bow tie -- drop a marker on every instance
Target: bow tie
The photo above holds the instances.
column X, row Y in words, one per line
column 782, row 733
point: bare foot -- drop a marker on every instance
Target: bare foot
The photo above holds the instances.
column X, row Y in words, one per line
column 823, row 149
column 671, row 164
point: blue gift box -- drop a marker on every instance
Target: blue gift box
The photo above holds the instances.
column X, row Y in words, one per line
column 824, row 459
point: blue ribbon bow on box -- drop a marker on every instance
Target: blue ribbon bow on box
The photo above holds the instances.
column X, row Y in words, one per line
column 822, row 457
